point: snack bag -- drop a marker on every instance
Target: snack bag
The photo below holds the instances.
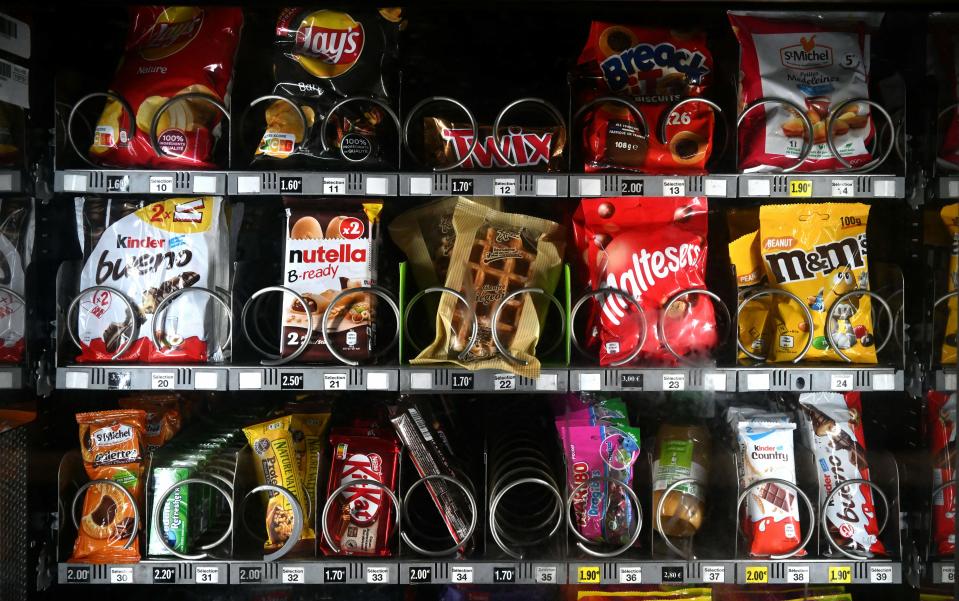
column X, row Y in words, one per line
column 817, row 252
column 745, row 257
column 950, row 217
column 651, row 249
column 942, row 446
column 652, row 69
column 170, row 50
column 771, row 517
column 111, row 443
column 576, row 409
column 330, row 247
column 496, row 254
column 309, row 438
column 521, row 147
column 16, row 249
column 815, row 62
column 831, row 426
column 163, row 417
column 272, row 444
column 944, row 55
column 321, row 57
column 147, row 252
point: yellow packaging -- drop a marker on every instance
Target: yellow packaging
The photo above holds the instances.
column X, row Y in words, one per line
column 950, row 217
column 745, row 257
column 272, row 443
column 679, row 594
column 309, row 438
column 818, row 253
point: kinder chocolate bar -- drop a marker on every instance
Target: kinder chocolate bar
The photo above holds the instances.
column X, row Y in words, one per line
column 112, row 445
column 950, row 217
column 942, row 446
column 652, row 68
column 771, row 517
column 814, row 61
column 525, row 148
column 651, row 249
column 16, row 248
column 169, row 51
column 832, row 429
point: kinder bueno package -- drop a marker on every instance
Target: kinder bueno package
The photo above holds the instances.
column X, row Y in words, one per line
column 16, row 248
column 330, row 247
column 950, row 218
column 653, row 69
column 321, row 57
column 771, row 516
column 815, row 62
column 942, row 443
column 148, row 252
column 532, row 148
column 944, row 55
column 651, row 249
column 831, row 426
column 170, row 50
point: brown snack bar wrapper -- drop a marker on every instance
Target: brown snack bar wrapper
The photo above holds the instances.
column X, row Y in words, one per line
column 163, row 417
column 526, row 148
column 494, row 255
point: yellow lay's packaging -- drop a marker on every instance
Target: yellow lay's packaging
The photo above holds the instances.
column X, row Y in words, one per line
column 818, row 253
column 950, row 217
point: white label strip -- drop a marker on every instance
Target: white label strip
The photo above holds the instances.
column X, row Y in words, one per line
column 630, row 575
column 714, row 382
column 77, row 379
column 377, row 185
column 334, row 382
column 293, row 575
column 757, row 381
column 546, row 186
column 547, row 382
column 841, row 382
column 674, row 382
column 880, row 574
column 674, row 187
column 461, row 575
column 333, row 186
column 14, row 36
column 205, row 380
column 590, row 187
column 714, row 574
column 74, row 183
column 162, row 381
column 245, row 184
column 797, row 574
column 757, row 187
column 206, row 575
column 206, row 184
column 421, row 185
column 251, row 380
column 161, row 184
column 503, row 186
column 377, row 575
column 545, row 575
column 14, row 84
column 843, row 188
column 6, row 182
column 590, row 381
column 377, row 380
column 421, row 380
column 714, row 187
column 504, row 382
column 121, row 575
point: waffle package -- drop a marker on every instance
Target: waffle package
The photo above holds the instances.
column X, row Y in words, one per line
column 651, row 249
column 814, row 61
column 16, row 248
column 651, row 69
column 331, row 247
column 146, row 253
column 526, row 148
column 950, row 217
column 169, row 51
column 322, row 57
column 831, row 426
column 942, row 436
column 163, row 417
column 112, row 446
column 494, row 255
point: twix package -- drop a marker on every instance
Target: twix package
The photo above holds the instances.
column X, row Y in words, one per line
column 653, row 69
column 950, row 217
column 331, row 246
column 112, row 445
column 942, row 436
column 527, row 148
column 814, row 61
column 818, row 253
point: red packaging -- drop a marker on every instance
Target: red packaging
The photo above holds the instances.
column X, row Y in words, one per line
column 651, row 249
column 361, row 518
column 946, row 58
column 653, row 69
column 942, row 436
column 169, row 51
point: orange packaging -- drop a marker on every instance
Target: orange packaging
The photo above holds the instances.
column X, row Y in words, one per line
column 163, row 417
column 111, row 443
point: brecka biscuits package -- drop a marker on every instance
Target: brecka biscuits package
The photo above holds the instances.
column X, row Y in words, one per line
column 147, row 252
column 815, row 62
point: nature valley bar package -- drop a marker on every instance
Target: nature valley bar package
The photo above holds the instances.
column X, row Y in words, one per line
column 309, row 440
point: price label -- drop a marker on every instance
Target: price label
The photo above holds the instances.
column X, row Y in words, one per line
column 377, row 575
column 118, row 183
column 948, row 574
column 714, row 574
column 461, row 185
column 504, row 575
column 674, row 187
column 78, row 575
column 251, row 575
column 880, row 574
column 462, row 381
column 293, row 575
column 291, row 381
column 334, row 575
column 504, row 382
column 797, row 574
column 840, row 382
column 162, row 381
column 840, row 575
column 334, row 185
column 206, row 575
column 628, row 380
column 161, row 184
column 674, row 382
column 420, row 575
column 164, row 575
column 757, row 574
column 588, row 575
column 504, row 187
column 631, row 187
column 800, row 188
column 630, row 575
column 121, row 575
column 334, row 381
column 545, row 575
column 842, row 188
column 461, row 575
column 672, row 574
column 119, row 380
column 294, row 185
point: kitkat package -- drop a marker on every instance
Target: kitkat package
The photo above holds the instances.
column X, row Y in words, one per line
column 16, row 248
column 170, row 51
column 942, row 442
column 651, row 249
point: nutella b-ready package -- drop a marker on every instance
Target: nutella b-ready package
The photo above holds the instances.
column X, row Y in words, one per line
column 138, row 257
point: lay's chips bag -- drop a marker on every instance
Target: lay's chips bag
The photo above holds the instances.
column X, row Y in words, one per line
column 950, row 217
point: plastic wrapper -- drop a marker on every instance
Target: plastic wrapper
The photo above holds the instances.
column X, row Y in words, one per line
column 944, row 55
column 942, row 436
column 309, row 442
column 163, row 417
column 682, row 452
column 746, row 258
column 950, row 217
column 523, row 148
column 16, row 249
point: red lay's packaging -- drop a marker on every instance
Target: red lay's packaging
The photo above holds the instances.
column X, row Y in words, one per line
column 653, row 69
column 815, row 62
column 651, row 249
column 169, row 51
column 942, row 437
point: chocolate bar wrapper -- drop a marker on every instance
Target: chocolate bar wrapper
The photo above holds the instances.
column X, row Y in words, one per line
column 496, row 254
column 942, row 435
column 309, row 440
column 522, row 148
column 831, row 426
column 16, row 248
